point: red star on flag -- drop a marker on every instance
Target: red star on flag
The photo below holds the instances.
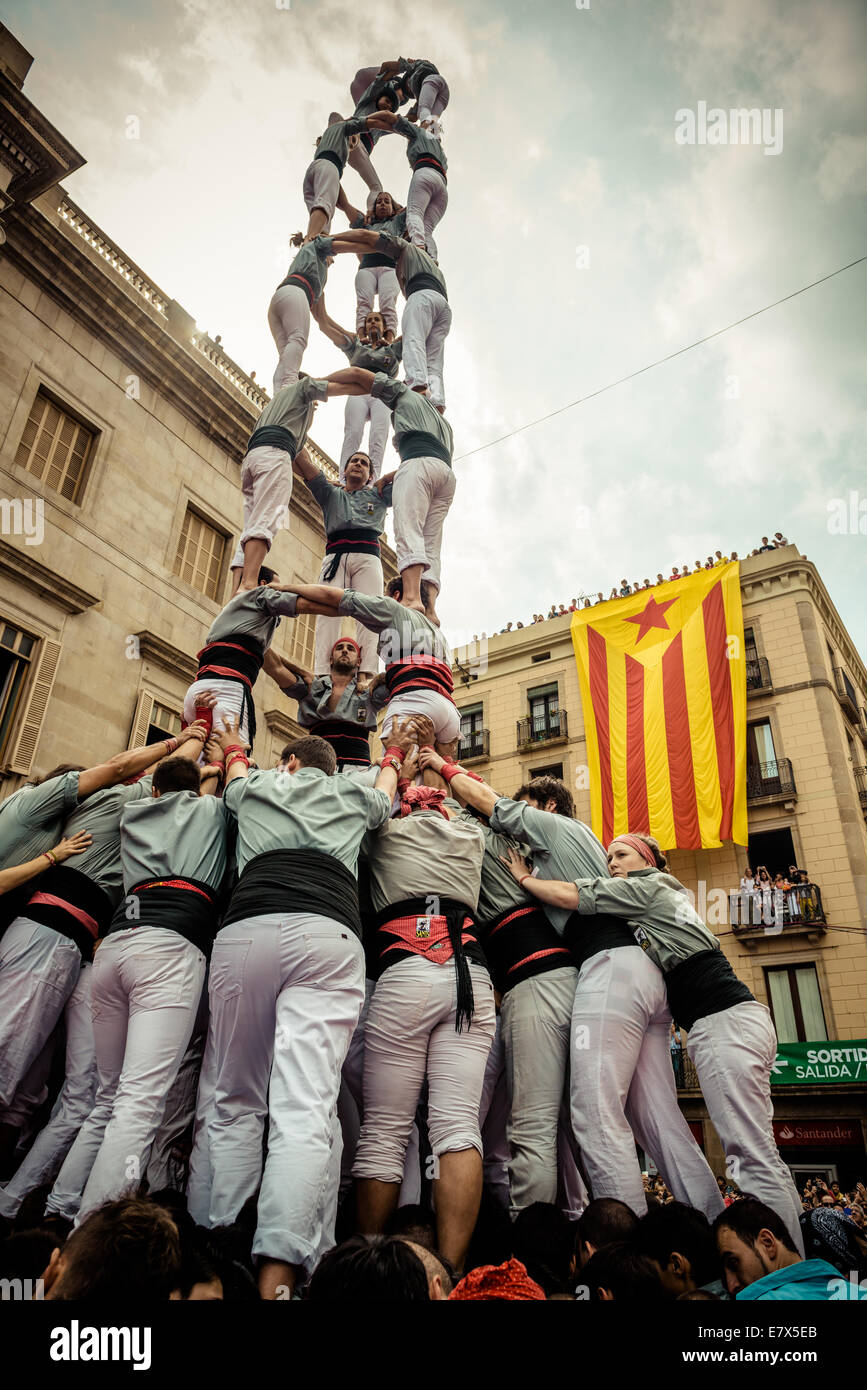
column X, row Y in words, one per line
column 651, row 616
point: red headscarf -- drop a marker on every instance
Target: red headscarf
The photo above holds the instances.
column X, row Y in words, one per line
column 425, row 798
column 352, row 642
column 638, row 844
column 508, row 1282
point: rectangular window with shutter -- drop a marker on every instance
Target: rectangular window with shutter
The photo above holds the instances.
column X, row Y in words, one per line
column 201, row 555
column 56, row 447
column 796, row 1003
column 301, row 641
column 28, row 666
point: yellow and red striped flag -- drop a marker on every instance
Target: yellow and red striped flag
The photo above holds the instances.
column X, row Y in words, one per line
column 663, row 684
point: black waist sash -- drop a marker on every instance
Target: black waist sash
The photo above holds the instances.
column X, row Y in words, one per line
column 519, row 944
column 296, row 880
column 416, row 444
column 349, row 540
column 183, row 905
column 70, row 903
column 420, row 673
column 333, row 158
column 429, row 161
column 351, row 742
column 703, row 984
column 424, row 281
column 375, row 258
column 275, row 435
column 300, row 283
column 462, row 936
column 586, row 934
column 235, row 658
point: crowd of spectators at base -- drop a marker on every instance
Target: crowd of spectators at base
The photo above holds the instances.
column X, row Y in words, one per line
column 147, row 1249
column 624, row 589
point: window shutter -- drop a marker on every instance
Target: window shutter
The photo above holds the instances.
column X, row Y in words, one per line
column 24, row 747
column 141, row 719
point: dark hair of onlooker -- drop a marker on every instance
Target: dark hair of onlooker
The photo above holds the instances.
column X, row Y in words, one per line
column 653, row 845
column 543, row 1240
column 128, row 1251
column 176, row 775
column 542, row 789
column 623, row 1273
column 312, row 751
column 369, row 1269
column 604, row 1220
column 748, row 1217
column 415, row 1223
column 676, row 1227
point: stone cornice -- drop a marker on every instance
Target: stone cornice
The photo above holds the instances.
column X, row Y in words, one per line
column 279, row 722
column 792, row 573
column 22, row 565
column 31, row 146
column 154, row 648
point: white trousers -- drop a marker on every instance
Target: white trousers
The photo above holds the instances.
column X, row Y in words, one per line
column 425, row 324
column 350, row 1108
column 147, row 982
column 422, row 495
column 266, row 490
column 322, row 188
column 359, row 160
column 733, row 1052
column 286, row 992
column 39, row 969
column 623, row 1088
column 411, row 1035
column 289, row 322
column 169, row 1159
column 73, row 1105
column 360, row 410
column 363, row 573
column 440, row 710
column 230, row 702
column 426, row 202
column 493, row 1120
column 536, row 1018
column 371, row 282
column 433, row 98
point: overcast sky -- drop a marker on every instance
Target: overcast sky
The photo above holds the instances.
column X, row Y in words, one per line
column 560, row 136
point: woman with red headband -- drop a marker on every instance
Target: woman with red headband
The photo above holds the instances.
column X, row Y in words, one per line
column 621, row 1078
column 731, row 1040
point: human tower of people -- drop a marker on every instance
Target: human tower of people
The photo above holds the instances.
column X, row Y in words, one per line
column 392, row 957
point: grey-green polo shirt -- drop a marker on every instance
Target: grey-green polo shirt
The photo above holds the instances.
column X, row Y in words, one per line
column 363, row 508
column 306, row 809
column 252, row 613
column 562, row 848
column 420, row 144
column 310, row 263
column 402, row 631
column 410, row 261
column 499, row 891
column 335, row 140
column 31, row 819
column 422, row 855
column 385, row 358
column 413, row 414
column 656, row 908
column 291, row 408
column 100, row 815
column 313, row 703
column 174, row 835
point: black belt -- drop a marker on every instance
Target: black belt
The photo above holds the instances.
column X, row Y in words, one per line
column 424, row 280
column 429, row 161
column 350, row 540
column 274, row 435
column 332, row 157
column 350, row 742
column 296, row 880
column 417, row 444
column 521, row 943
column 183, row 905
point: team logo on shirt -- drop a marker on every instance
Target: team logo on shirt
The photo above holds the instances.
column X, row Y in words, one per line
column 422, row 928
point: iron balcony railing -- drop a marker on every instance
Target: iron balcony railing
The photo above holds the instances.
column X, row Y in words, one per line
column 773, row 909
column 476, row 744
column 861, row 783
column 540, row 728
column 758, row 673
column 685, row 1074
column 846, row 693
column 770, row 779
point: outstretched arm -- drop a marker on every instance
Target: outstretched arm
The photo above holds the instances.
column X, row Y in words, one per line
column 306, row 467
column 550, row 891
column 20, row 873
column 351, row 381
column 325, row 596
column 284, row 671
column 468, row 790
column 331, row 329
column 357, row 240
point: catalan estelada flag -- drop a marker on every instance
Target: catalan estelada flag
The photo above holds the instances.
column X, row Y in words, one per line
column 663, row 684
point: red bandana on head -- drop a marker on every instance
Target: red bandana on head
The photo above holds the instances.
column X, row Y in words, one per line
column 509, row 1282
column 425, row 799
column 637, row 844
column 352, row 642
